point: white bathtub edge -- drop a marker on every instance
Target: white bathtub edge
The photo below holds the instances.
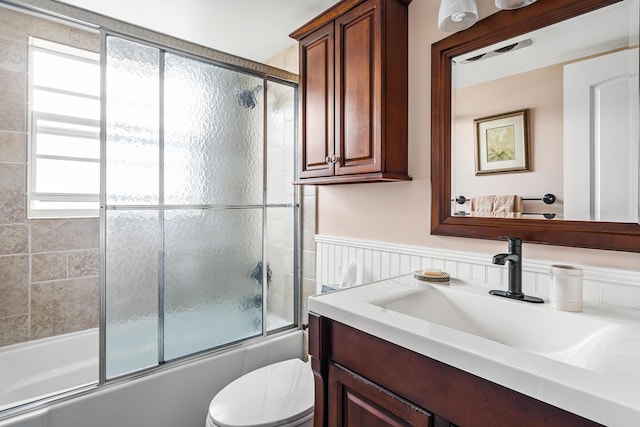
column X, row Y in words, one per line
column 174, row 396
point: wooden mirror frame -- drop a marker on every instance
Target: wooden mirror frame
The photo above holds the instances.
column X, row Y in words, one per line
column 504, row 25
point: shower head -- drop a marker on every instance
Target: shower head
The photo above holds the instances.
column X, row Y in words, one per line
column 247, row 97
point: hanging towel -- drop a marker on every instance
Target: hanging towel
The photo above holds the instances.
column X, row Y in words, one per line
column 509, row 203
column 501, row 206
column 482, row 205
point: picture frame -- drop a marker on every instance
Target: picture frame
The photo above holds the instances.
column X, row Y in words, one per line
column 502, row 143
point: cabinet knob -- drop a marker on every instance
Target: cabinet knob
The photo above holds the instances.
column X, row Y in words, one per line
column 332, row 159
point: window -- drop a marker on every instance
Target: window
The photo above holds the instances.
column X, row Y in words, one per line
column 64, row 106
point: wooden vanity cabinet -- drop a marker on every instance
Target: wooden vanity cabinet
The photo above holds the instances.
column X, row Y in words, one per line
column 353, row 93
column 354, row 401
column 364, row 381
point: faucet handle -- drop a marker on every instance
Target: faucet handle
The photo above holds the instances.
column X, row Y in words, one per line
column 513, row 241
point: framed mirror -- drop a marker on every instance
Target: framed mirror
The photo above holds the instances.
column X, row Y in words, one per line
column 584, row 213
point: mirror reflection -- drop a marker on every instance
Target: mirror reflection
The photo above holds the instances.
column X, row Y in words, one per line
column 547, row 122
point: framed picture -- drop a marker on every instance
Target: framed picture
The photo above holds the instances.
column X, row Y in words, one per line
column 502, row 143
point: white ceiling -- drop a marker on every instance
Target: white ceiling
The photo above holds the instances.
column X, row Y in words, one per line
column 252, row 29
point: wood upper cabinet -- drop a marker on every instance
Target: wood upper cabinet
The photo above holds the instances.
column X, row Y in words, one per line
column 353, row 93
column 317, row 103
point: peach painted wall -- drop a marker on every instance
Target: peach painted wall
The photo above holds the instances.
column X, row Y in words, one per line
column 400, row 212
column 541, row 92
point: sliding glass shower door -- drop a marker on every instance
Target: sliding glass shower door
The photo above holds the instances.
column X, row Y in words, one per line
column 198, row 210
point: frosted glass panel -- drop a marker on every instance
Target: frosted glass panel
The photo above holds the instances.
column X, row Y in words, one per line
column 280, row 260
column 211, row 295
column 183, row 278
column 213, row 134
column 281, row 130
column 133, row 111
column 132, row 290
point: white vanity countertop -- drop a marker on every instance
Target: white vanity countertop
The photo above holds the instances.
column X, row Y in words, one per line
column 608, row 397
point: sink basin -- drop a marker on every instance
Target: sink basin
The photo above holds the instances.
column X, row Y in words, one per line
column 568, row 337
column 612, row 352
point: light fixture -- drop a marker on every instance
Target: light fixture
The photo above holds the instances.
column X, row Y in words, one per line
column 457, row 15
column 513, row 4
column 493, row 52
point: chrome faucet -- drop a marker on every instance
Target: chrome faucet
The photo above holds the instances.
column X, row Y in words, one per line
column 514, row 258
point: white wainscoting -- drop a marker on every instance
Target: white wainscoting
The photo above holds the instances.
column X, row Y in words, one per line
column 381, row 260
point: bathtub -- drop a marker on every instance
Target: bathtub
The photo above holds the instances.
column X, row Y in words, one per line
column 47, row 366
column 174, row 395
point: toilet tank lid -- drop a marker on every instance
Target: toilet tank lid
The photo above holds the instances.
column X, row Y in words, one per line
column 275, row 394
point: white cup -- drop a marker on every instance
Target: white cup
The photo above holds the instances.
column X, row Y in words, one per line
column 566, row 287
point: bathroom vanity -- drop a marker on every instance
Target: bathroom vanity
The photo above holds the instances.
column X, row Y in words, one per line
column 404, row 352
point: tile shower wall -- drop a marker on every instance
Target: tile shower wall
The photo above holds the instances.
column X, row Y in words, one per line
column 288, row 60
column 378, row 260
column 48, row 268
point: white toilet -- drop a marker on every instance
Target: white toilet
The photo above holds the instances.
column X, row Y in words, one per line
column 278, row 395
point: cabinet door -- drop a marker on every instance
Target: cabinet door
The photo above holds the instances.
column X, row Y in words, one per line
column 359, row 118
column 356, row 402
column 317, row 103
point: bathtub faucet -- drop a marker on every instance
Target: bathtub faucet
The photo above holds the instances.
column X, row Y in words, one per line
column 514, row 260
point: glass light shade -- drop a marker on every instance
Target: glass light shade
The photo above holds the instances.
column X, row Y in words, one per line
column 513, row 4
column 457, row 15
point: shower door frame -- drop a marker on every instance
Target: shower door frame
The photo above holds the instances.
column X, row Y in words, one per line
column 161, row 207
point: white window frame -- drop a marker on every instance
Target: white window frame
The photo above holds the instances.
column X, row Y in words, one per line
column 35, row 129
